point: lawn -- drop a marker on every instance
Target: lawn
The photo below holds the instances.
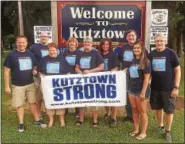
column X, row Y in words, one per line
column 84, row 134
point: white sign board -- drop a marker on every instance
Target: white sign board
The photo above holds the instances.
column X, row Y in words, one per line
column 159, row 17
column 76, row 90
column 39, row 29
column 156, row 30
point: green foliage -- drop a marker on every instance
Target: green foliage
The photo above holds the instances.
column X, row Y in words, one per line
column 34, row 13
column 9, row 40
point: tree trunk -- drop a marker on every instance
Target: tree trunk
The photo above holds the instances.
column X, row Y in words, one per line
column 2, row 48
column 180, row 44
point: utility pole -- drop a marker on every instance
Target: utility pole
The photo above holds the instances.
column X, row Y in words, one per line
column 54, row 21
column 21, row 27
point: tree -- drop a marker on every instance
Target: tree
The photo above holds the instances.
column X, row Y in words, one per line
column 34, row 13
column 175, row 22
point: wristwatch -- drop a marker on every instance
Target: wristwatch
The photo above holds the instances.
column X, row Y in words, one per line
column 176, row 87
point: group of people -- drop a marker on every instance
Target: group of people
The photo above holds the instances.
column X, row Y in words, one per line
column 153, row 77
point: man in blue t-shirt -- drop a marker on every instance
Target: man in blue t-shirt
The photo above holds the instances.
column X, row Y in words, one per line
column 166, row 73
column 21, row 63
column 126, row 56
column 39, row 50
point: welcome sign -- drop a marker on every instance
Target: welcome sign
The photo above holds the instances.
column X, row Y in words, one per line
column 100, row 20
column 76, row 90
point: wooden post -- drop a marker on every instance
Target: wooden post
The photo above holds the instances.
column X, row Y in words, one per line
column 54, row 21
column 148, row 25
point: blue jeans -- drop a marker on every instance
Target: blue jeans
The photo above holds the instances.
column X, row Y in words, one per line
column 128, row 107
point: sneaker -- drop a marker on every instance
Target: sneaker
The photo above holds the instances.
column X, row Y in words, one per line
column 113, row 123
column 95, row 124
column 21, row 127
column 40, row 123
column 79, row 123
column 129, row 119
column 168, row 137
column 161, row 130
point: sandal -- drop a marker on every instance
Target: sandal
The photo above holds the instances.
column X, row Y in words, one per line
column 140, row 137
column 79, row 123
column 95, row 124
column 132, row 134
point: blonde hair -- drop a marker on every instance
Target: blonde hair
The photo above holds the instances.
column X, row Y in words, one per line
column 72, row 39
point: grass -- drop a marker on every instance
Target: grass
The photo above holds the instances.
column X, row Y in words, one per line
column 84, row 134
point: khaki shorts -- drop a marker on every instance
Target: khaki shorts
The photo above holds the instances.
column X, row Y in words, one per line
column 82, row 109
column 57, row 111
column 37, row 83
column 22, row 93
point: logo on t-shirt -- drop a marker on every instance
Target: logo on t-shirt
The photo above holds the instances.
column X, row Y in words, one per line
column 133, row 70
column 71, row 59
column 85, row 62
column 25, row 63
column 128, row 55
column 52, row 67
column 106, row 64
column 159, row 64
column 44, row 53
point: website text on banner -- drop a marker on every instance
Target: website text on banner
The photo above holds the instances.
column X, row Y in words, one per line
column 97, row 89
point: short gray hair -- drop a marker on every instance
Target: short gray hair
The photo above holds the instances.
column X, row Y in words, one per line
column 159, row 34
column 88, row 38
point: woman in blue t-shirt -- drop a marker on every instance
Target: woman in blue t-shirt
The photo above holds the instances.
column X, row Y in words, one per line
column 88, row 61
column 138, row 89
column 70, row 55
column 53, row 64
column 111, row 63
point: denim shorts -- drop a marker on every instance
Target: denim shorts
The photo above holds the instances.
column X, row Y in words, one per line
column 137, row 93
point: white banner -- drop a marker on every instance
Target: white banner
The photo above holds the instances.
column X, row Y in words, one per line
column 39, row 29
column 76, row 90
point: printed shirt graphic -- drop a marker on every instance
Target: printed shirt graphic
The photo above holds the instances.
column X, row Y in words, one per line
column 159, row 64
column 106, row 64
column 85, row 62
column 25, row 63
column 52, row 68
column 44, row 53
column 133, row 70
column 71, row 59
column 128, row 55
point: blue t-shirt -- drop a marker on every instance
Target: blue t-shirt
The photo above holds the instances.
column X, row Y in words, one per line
column 137, row 76
column 21, row 65
column 163, row 64
column 39, row 50
column 89, row 60
column 110, row 61
column 117, row 50
column 54, row 66
column 126, row 56
column 70, row 56
column 62, row 50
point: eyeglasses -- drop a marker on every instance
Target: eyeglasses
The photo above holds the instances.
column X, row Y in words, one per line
column 160, row 41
